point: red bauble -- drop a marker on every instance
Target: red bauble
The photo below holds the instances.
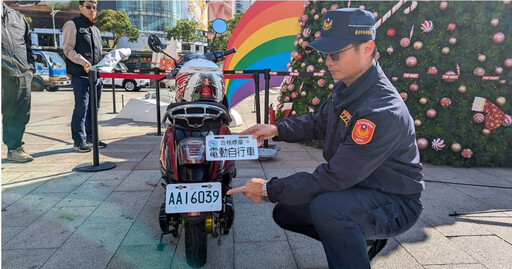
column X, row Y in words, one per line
column 321, row 82
column 334, row 6
column 294, row 95
column 291, row 87
column 324, row 10
column 479, row 72
column 431, row 70
column 498, row 37
column 287, row 99
column 315, row 101
column 317, row 34
column 391, row 32
column 498, row 70
column 431, row 113
column 404, row 96
column 310, row 68
column 446, row 102
column 413, row 87
column 508, row 63
column 422, row 143
column 299, row 57
column 411, row 61
column 451, row 27
column 443, row 5
column 466, row 153
column 478, row 118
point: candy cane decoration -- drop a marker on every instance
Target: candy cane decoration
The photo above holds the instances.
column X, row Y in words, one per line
column 348, row 5
column 411, row 32
column 389, row 13
column 413, row 5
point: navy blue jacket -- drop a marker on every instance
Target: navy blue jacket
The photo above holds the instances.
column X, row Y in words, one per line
column 369, row 142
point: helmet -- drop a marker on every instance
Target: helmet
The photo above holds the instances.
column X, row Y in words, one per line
column 199, row 80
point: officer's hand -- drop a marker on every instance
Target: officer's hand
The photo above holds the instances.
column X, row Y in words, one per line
column 252, row 189
column 261, row 132
column 87, row 67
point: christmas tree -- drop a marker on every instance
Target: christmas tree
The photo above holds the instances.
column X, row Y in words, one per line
column 450, row 61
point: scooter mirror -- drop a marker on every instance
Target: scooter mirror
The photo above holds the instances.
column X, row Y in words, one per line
column 154, row 43
column 219, row 26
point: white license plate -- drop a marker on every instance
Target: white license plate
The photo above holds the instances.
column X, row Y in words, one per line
column 193, row 197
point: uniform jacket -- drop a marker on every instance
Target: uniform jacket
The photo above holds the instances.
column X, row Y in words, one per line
column 369, row 142
column 16, row 43
column 87, row 45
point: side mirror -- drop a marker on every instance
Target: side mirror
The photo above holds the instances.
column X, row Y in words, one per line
column 219, row 26
column 154, row 43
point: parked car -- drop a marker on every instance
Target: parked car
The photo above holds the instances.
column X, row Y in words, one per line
column 50, row 71
column 129, row 85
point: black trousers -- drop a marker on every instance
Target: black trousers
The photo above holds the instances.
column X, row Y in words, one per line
column 15, row 108
column 344, row 220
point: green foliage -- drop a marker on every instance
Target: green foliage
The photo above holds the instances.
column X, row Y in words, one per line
column 222, row 40
column 118, row 23
column 185, row 30
column 453, row 124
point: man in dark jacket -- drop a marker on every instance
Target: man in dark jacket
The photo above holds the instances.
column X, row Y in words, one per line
column 370, row 187
column 17, row 72
column 82, row 47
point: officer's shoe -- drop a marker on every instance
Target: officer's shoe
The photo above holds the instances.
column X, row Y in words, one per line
column 82, row 147
column 375, row 247
column 101, row 145
column 19, row 155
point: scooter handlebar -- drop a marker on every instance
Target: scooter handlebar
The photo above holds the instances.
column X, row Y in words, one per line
column 231, row 51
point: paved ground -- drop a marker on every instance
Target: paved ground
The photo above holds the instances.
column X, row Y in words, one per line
column 54, row 217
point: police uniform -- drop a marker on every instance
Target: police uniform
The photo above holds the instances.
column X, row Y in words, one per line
column 370, row 186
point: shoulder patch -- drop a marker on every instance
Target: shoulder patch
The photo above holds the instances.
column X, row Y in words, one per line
column 362, row 132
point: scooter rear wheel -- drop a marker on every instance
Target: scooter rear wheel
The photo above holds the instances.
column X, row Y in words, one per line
column 195, row 244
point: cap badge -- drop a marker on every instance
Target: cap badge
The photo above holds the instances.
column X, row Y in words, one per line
column 327, row 24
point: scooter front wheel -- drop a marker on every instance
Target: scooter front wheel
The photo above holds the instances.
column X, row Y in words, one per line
column 195, row 244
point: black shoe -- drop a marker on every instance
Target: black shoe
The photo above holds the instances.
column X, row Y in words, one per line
column 101, row 145
column 83, row 147
column 376, row 247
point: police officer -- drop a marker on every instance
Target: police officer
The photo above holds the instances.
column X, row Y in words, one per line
column 370, row 187
column 82, row 46
column 17, row 73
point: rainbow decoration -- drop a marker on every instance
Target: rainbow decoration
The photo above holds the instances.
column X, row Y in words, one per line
column 263, row 38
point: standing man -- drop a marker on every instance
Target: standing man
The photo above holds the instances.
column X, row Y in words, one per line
column 82, row 46
column 17, row 73
column 370, row 187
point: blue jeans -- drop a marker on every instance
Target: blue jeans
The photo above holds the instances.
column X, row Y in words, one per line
column 81, row 118
column 344, row 220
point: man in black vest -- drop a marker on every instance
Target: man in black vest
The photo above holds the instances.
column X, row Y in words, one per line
column 82, row 46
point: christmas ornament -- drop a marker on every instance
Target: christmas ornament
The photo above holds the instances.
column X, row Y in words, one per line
column 479, row 72
column 305, row 18
column 291, row 87
column 390, row 50
column 321, row 82
column 507, row 120
column 427, row 26
column 304, row 44
column 315, row 101
column 486, row 132
column 302, row 65
column 388, row 14
column 283, row 89
column 417, row 45
column 482, row 58
column 501, row 101
column 495, row 22
column 300, row 41
column 508, row 63
column 431, row 113
column 451, row 27
column 331, row 86
column 294, row 112
column 299, row 57
column 295, row 43
column 462, row 89
column 446, row 102
column 307, row 4
column 403, row 95
column 287, row 99
column 445, row 50
column 310, row 68
column 375, row 14
column 324, row 10
column 411, row 61
column 405, row 42
column 422, row 143
column 493, row 115
column 294, row 95
column 288, row 79
column 456, row 147
column 394, row 79
column 452, row 41
column 478, row 118
column 311, row 110
column 498, row 37
column 313, row 11
column 438, row 144
column 391, row 32
column 413, row 5
column 316, row 17
column 423, row 100
column 443, row 5
column 449, row 73
column 431, row 70
column 467, row 153
column 411, row 32
column 334, row 6
column 306, row 32
column 417, row 123
column 458, row 69
column 502, row 82
column 413, row 87
column 498, row 70
column 279, row 99
column 303, row 94
column 317, row 34
column 320, row 60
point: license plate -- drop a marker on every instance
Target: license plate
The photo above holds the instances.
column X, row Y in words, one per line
column 193, row 197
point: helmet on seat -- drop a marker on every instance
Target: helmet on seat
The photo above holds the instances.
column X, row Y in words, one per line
column 199, row 80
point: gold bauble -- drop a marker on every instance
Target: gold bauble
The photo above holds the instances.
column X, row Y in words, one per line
column 456, row 147
column 486, row 131
column 501, row 100
column 320, row 60
column 462, row 89
column 417, row 45
column 445, row 50
column 495, row 22
column 417, row 123
column 303, row 65
column 423, row 101
column 331, row 86
column 482, row 58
